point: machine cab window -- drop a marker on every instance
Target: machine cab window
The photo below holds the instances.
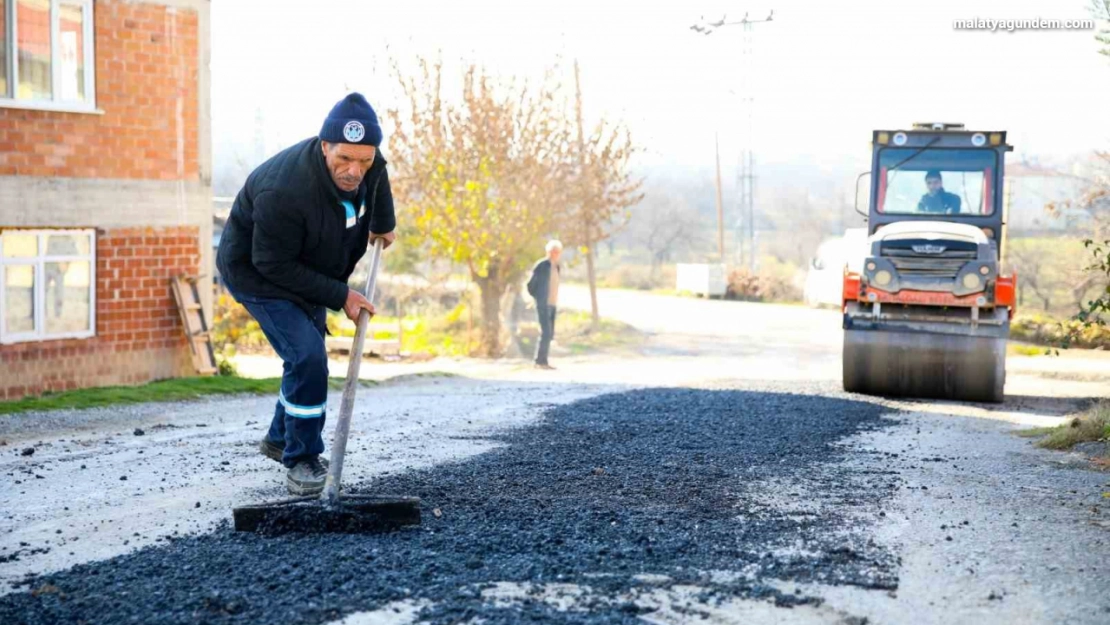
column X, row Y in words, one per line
column 936, row 181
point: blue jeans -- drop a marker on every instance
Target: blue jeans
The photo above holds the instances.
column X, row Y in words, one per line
column 298, row 339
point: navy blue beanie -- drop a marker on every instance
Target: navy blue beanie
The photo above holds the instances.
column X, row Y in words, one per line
column 352, row 120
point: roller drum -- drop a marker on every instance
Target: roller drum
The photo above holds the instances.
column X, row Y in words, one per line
column 893, row 362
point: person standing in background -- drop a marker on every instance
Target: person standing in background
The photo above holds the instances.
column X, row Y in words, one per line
column 543, row 286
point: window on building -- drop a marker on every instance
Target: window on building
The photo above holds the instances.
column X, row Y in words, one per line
column 47, row 284
column 46, row 53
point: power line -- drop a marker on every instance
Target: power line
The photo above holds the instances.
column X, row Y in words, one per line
column 746, row 177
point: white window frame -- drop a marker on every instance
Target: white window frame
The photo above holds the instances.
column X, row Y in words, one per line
column 55, row 103
column 39, row 263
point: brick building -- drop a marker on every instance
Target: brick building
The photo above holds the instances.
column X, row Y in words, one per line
column 105, row 188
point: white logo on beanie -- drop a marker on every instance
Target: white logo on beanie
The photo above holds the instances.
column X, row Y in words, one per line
column 354, row 131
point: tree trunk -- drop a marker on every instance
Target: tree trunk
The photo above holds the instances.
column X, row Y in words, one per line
column 1079, row 292
column 592, row 277
column 489, row 341
column 516, row 314
column 587, row 210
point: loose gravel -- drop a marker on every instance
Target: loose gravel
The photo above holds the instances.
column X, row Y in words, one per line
column 676, row 484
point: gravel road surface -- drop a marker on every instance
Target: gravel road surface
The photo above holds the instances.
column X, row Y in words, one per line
column 712, row 474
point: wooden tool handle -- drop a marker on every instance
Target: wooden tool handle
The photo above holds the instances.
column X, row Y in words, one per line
column 347, row 405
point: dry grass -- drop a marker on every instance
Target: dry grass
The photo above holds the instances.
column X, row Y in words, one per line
column 575, row 331
column 1090, row 427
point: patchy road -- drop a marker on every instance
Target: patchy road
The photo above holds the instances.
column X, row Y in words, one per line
column 713, row 474
column 94, row 489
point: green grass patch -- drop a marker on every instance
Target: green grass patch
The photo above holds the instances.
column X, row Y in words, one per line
column 1025, row 349
column 1090, row 427
column 575, row 330
column 180, row 389
column 1035, row 432
column 443, row 334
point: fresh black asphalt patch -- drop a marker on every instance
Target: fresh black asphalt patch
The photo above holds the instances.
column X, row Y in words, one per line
column 669, row 482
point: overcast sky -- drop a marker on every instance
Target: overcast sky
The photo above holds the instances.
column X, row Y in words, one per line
column 826, row 72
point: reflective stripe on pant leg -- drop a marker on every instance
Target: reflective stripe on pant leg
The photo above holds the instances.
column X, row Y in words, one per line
column 299, row 340
column 256, row 307
column 304, row 392
column 304, row 422
column 296, row 410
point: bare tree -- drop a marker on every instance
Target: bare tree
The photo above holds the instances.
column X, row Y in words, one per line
column 1100, row 9
column 1094, row 196
column 663, row 223
column 1027, row 263
column 604, row 188
column 481, row 180
column 1052, row 271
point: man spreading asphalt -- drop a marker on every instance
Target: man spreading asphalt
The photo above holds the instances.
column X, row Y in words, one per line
column 297, row 229
column 543, row 286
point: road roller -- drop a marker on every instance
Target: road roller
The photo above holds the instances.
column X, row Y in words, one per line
column 928, row 312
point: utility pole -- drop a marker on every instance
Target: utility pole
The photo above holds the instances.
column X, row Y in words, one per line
column 745, row 181
column 587, row 211
column 720, row 203
column 747, row 168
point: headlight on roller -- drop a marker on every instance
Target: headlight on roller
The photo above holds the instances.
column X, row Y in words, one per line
column 971, row 281
column 882, row 277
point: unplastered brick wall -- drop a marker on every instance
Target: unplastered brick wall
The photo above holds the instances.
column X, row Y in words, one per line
column 139, row 337
column 147, row 85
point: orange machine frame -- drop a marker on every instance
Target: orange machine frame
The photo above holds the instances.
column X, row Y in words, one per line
column 1005, row 294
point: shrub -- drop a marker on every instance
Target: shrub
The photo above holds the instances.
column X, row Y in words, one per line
column 1046, row 330
column 233, row 325
column 224, row 363
column 749, row 287
column 639, row 277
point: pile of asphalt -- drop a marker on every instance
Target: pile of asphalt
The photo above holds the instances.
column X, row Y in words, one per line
column 666, row 482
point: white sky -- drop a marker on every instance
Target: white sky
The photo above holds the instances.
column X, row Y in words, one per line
column 827, row 73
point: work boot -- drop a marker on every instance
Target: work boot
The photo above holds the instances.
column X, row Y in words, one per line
column 306, row 477
column 274, row 451
column 270, row 449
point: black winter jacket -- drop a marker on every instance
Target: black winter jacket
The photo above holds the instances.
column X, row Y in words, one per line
column 540, row 281
column 288, row 237
column 943, row 202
